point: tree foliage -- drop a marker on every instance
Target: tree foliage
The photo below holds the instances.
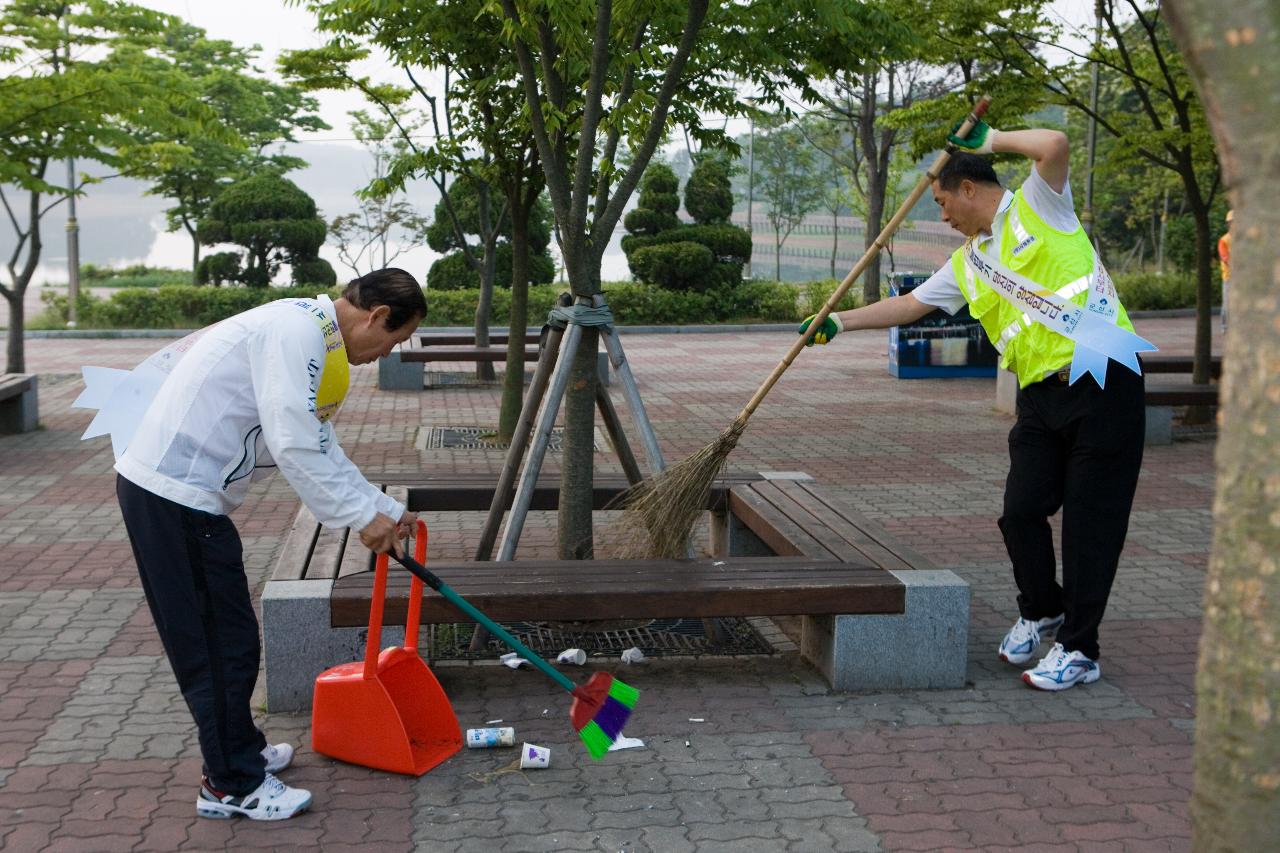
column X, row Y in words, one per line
column 386, row 225
column 272, row 218
column 91, row 81
column 259, row 111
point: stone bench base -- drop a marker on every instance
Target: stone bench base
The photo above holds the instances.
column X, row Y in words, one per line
column 20, row 412
column 298, row 644
column 926, row 647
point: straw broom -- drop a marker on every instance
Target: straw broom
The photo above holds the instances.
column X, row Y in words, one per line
column 659, row 513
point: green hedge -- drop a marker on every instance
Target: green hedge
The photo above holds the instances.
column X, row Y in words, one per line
column 164, row 307
column 184, row 307
column 1147, row 291
column 138, row 275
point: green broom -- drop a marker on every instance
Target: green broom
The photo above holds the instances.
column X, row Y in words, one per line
column 601, row 707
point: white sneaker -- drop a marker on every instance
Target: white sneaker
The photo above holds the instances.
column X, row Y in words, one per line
column 1061, row 669
column 1020, row 644
column 272, row 800
column 278, row 756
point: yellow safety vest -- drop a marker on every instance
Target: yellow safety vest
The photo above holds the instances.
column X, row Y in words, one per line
column 1057, row 260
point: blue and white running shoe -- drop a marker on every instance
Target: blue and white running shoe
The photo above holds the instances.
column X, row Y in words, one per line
column 1061, row 669
column 1020, row 644
column 278, row 756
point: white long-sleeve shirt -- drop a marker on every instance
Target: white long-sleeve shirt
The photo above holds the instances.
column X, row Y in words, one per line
column 240, row 402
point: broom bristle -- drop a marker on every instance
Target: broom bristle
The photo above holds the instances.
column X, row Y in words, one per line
column 658, row 514
column 612, row 710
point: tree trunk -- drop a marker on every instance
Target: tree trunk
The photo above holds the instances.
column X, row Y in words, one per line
column 1235, row 803
column 575, row 540
column 1204, row 311
column 513, row 381
column 777, row 256
column 875, row 213
column 835, row 240
column 15, row 349
column 15, row 360
column 488, row 266
column 195, row 258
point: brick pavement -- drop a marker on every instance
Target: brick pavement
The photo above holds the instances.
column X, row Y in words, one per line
column 97, row 752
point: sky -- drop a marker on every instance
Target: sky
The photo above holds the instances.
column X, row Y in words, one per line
column 120, row 225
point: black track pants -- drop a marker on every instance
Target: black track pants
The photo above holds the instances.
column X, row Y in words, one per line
column 1076, row 448
column 193, row 575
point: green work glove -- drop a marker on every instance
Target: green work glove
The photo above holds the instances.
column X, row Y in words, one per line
column 829, row 329
column 979, row 141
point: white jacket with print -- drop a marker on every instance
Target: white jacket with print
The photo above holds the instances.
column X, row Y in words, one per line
column 240, row 402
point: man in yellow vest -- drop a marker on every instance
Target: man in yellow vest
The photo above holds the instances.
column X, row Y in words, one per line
column 1030, row 276
column 230, row 404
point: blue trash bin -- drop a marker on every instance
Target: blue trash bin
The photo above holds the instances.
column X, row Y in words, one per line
column 938, row 344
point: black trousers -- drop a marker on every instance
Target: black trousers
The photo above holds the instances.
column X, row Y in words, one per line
column 192, row 570
column 1077, row 448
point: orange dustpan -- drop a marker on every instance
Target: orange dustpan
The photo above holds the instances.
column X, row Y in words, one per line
column 389, row 712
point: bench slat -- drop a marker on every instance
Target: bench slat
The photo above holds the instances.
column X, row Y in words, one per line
column 435, row 339
column 327, row 555
column 1165, row 363
column 356, row 559
column 462, row 354
column 842, row 537
column 13, row 384
column 739, row 587
column 1181, row 394
column 295, row 556
column 855, row 524
column 783, row 536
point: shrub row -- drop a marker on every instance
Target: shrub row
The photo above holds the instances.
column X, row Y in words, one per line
column 164, row 307
column 183, row 306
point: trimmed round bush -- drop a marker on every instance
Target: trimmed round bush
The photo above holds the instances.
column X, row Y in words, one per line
column 645, row 221
column 218, row 268
column 708, row 195
column 683, row 266
column 452, row 272
column 314, row 271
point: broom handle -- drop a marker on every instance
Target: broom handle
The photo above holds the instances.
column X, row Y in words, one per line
column 497, row 630
column 860, row 267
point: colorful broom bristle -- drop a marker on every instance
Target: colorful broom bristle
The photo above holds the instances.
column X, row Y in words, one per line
column 609, row 703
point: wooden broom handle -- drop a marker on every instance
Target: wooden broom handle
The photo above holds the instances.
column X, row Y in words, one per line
column 979, row 110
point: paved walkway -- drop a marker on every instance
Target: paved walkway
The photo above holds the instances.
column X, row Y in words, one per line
column 97, row 751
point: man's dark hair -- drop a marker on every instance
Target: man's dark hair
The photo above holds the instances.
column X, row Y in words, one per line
column 965, row 166
column 392, row 287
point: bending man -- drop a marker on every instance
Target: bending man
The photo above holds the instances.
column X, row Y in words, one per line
column 254, row 392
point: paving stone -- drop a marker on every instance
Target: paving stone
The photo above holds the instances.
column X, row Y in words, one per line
column 92, row 725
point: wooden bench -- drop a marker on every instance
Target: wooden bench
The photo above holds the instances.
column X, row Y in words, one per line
column 471, row 353
column 19, row 404
column 1164, row 363
column 400, row 370
column 781, row 548
column 468, row 339
column 1162, row 397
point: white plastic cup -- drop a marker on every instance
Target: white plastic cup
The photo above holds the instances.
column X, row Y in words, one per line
column 484, row 738
column 632, row 655
column 534, row 757
column 577, row 657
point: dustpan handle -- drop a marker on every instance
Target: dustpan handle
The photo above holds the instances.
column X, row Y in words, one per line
column 414, row 618
column 373, row 644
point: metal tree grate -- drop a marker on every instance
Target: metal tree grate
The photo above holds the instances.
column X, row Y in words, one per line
column 656, row 638
column 448, row 379
column 481, row 438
